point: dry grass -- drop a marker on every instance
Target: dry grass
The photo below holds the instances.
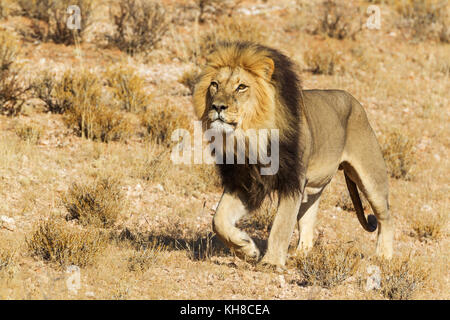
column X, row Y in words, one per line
column 29, row 133
column 398, row 153
column 139, row 25
column 128, row 88
column 49, row 19
column 7, row 254
column 80, row 95
column 58, row 242
column 160, row 121
column 98, row 203
column 322, row 59
column 328, row 266
column 428, row 225
column 425, row 18
column 339, row 20
column 401, row 277
column 144, row 258
column 11, row 87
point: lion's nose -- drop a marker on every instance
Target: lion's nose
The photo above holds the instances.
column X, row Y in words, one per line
column 219, row 107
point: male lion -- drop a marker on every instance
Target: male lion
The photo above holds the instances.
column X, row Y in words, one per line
column 249, row 86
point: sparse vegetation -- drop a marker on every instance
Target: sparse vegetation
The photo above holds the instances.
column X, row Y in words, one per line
column 79, row 96
column 11, row 87
column 339, row 20
column 98, row 203
column 57, row 242
column 29, row 133
column 401, row 278
column 139, row 25
column 425, row 18
column 322, row 59
column 428, row 225
column 161, row 120
column 142, row 259
column 49, row 19
column 189, row 79
column 128, row 88
column 398, row 153
column 328, row 266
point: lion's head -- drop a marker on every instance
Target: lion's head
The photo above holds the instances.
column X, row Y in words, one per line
column 249, row 86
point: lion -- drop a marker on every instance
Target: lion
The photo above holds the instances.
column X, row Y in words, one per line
column 245, row 85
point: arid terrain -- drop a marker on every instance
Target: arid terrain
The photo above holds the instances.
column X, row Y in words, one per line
column 92, row 207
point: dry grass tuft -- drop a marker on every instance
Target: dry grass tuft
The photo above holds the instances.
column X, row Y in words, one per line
column 401, row 277
column 328, row 266
column 145, row 257
column 128, row 88
column 339, row 20
column 49, row 19
column 97, row 204
column 29, row 133
column 6, row 257
column 428, row 225
column 322, row 59
column 11, row 88
column 398, row 152
column 58, row 242
column 425, row 19
column 139, row 25
column 79, row 96
column 161, row 120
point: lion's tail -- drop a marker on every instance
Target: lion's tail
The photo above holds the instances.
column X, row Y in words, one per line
column 371, row 223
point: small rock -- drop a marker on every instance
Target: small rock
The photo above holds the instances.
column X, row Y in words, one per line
column 426, row 208
column 7, row 223
column 159, row 187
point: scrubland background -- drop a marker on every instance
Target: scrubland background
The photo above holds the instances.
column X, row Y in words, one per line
column 87, row 188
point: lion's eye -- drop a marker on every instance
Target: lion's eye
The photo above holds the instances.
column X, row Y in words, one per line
column 214, row 84
column 241, row 88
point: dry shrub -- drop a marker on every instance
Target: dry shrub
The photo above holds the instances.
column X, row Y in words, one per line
column 98, row 203
column 79, row 96
column 398, row 152
column 189, row 78
column 128, row 88
column 52, row 92
column 11, row 88
column 425, row 19
column 339, row 20
column 161, row 120
column 212, row 9
column 401, row 277
column 322, row 59
column 6, row 256
column 328, row 266
column 58, row 242
column 29, row 133
column 145, row 257
column 49, row 19
column 428, row 225
column 139, row 25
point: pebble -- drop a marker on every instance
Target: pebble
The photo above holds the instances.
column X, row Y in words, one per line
column 7, row 223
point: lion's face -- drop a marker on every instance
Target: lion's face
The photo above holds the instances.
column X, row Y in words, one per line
column 231, row 99
column 235, row 91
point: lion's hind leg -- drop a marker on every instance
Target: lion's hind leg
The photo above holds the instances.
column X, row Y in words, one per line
column 229, row 211
column 306, row 222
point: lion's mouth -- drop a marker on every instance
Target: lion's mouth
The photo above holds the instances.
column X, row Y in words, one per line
column 223, row 126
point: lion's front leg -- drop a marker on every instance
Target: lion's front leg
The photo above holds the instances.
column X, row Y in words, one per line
column 281, row 232
column 230, row 210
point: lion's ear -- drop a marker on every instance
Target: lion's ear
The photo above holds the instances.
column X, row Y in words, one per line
column 269, row 67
